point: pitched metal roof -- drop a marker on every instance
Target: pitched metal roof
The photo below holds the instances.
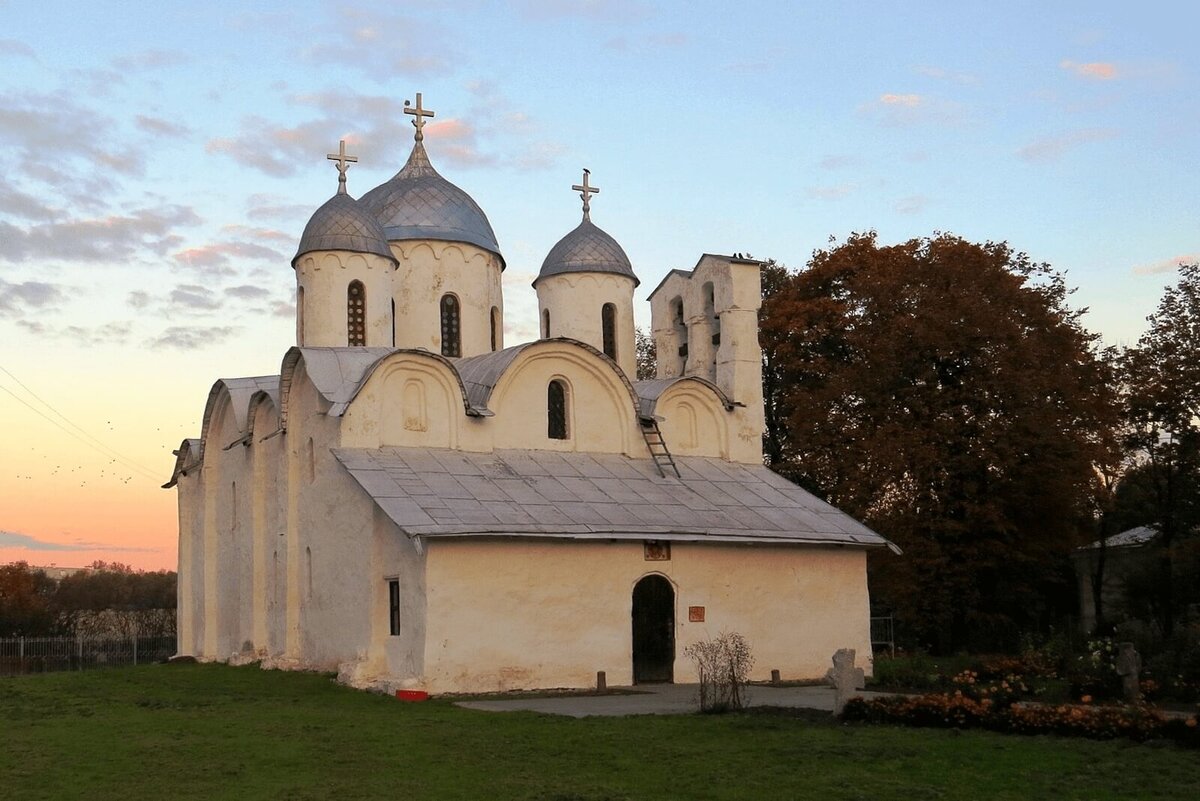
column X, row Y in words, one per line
column 418, row 203
column 650, row 391
column 586, row 249
column 1132, row 538
column 343, row 223
column 430, row 492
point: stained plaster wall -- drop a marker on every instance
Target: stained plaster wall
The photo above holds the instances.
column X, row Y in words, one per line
column 427, row 271
column 324, row 278
column 399, row 658
column 190, row 588
column 575, row 301
column 505, row 614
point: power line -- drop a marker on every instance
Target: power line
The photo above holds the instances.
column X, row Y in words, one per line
column 94, row 443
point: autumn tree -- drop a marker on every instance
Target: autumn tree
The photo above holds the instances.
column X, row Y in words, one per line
column 1161, row 376
column 945, row 393
column 25, row 594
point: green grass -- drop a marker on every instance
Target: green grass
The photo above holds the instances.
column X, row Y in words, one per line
column 206, row 731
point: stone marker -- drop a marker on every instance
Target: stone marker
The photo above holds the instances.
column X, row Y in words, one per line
column 1129, row 668
column 601, row 681
column 845, row 678
column 775, row 677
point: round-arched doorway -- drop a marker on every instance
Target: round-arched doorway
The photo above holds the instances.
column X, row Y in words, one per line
column 653, row 630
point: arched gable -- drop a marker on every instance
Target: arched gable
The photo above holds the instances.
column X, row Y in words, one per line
column 238, row 392
column 409, row 398
column 649, row 393
column 602, row 414
column 188, row 457
column 694, row 419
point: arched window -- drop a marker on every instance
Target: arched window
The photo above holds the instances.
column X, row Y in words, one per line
column 356, row 314
column 495, row 328
column 545, row 324
column 681, row 331
column 608, row 324
column 556, row 410
column 451, row 328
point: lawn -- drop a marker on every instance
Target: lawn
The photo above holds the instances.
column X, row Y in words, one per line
column 207, row 731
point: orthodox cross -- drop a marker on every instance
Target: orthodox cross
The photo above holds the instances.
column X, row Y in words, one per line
column 418, row 114
column 342, row 161
column 584, row 192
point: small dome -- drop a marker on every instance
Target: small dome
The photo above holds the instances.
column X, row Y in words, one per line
column 342, row 223
column 587, row 249
column 418, row 203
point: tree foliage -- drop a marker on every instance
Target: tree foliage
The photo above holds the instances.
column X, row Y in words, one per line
column 646, row 355
column 1161, row 405
column 945, row 393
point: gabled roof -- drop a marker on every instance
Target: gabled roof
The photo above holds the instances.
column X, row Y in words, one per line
column 1131, row 538
column 240, row 391
column 189, row 456
column 431, row 492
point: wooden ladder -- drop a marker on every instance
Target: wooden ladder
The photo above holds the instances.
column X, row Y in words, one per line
column 658, row 448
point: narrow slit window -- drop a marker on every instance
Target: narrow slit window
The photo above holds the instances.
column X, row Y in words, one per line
column 495, row 328
column 394, row 607
column 545, row 324
column 356, row 314
column 608, row 322
column 556, row 410
column 451, row 327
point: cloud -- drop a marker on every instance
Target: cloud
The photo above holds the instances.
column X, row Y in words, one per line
column 16, row 299
column 282, row 309
column 1052, row 148
column 13, row 539
column 908, row 101
column 271, row 207
column 1092, row 70
column 265, row 234
column 836, row 162
column 36, row 124
column 1167, row 265
column 219, row 254
column 160, row 127
column 912, row 204
column 384, row 46
column 247, row 292
column 830, row 192
column 19, row 204
column 138, row 299
column 194, row 296
column 180, row 337
column 110, row 238
column 12, row 47
column 618, row 11
column 149, row 60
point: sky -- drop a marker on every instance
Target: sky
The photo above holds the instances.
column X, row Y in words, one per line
column 162, row 160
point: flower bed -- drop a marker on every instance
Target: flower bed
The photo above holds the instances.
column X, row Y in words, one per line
column 959, row 711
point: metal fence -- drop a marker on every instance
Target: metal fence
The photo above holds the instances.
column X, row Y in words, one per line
column 20, row 655
column 883, row 633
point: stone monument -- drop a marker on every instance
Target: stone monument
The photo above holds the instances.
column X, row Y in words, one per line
column 845, row 678
column 1129, row 668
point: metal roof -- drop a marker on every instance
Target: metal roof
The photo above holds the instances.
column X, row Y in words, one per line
column 343, row 223
column 418, row 203
column 586, row 249
column 431, row 492
column 650, row 391
column 1131, row 538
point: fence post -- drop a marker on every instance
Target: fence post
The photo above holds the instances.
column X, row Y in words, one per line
column 79, row 649
column 135, row 638
column 21, row 649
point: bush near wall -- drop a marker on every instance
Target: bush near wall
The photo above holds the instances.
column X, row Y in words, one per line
column 962, row 712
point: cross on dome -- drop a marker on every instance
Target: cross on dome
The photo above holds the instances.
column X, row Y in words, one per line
column 419, row 114
column 585, row 191
column 342, row 164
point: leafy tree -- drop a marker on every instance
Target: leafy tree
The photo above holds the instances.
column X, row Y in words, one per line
column 945, row 393
column 25, row 601
column 1162, row 409
column 646, row 355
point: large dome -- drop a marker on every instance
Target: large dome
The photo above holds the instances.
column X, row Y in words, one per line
column 342, row 223
column 587, row 249
column 417, row 203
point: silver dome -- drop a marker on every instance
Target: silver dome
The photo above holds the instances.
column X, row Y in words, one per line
column 587, row 249
column 417, row 203
column 343, row 223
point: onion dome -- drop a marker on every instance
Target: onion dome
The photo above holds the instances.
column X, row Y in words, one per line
column 587, row 249
column 343, row 224
column 418, row 203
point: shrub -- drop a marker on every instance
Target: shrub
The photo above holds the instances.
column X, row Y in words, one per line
column 724, row 666
column 962, row 712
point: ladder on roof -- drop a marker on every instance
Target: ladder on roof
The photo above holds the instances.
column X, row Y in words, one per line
column 658, row 448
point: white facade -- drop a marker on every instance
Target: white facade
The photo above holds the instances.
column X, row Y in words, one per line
column 476, row 517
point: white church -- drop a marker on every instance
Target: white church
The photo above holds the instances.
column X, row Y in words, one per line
column 418, row 506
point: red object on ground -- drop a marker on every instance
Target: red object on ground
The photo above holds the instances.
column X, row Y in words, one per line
column 412, row 695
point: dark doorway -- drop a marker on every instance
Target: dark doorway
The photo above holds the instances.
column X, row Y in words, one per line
column 653, row 630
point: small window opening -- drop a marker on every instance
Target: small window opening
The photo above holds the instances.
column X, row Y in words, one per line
column 495, row 329
column 394, row 607
column 356, row 314
column 545, row 324
column 451, row 331
column 681, row 331
column 393, row 322
column 608, row 322
column 556, row 410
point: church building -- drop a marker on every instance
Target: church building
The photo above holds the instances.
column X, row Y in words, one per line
column 416, row 505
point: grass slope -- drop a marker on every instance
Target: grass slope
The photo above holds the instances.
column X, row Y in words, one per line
column 208, row 731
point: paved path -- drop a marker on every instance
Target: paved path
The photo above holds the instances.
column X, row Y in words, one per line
column 657, row 699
